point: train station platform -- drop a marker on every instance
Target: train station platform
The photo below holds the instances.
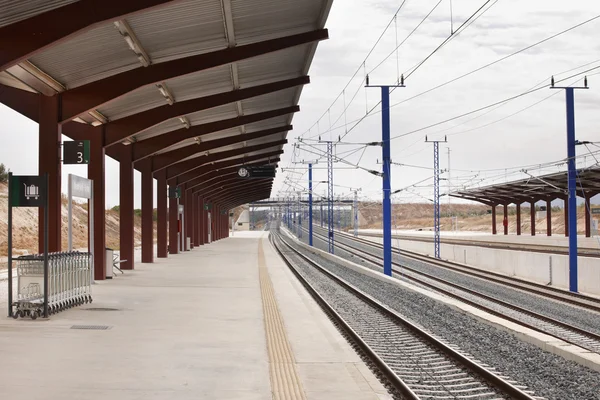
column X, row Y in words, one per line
column 223, row 321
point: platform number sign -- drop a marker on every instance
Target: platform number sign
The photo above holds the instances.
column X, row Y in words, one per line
column 595, row 210
column 174, row 193
column 76, row 152
column 27, row 191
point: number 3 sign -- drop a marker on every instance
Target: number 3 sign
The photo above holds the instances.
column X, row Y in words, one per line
column 76, row 152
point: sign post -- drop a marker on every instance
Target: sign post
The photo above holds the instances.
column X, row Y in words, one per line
column 27, row 191
column 82, row 188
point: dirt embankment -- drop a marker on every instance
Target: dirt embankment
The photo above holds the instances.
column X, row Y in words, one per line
column 468, row 217
column 25, row 227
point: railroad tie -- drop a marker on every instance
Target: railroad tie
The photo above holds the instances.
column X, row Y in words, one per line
column 285, row 383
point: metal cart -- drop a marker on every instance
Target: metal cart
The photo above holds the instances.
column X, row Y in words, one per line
column 69, row 283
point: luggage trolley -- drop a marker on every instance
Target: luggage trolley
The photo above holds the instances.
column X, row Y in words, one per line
column 69, row 283
column 30, row 280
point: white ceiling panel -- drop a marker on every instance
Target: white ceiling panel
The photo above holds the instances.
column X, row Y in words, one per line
column 12, row 11
column 96, row 54
column 180, row 29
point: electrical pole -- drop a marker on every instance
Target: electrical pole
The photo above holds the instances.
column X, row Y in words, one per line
column 310, row 205
column 330, row 196
column 436, row 194
column 385, row 149
column 299, row 233
column 572, row 181
column 355, row 206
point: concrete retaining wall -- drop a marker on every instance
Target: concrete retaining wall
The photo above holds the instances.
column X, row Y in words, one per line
column 542, row 268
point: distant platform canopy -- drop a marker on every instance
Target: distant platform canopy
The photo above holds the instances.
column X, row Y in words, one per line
column 533, row 189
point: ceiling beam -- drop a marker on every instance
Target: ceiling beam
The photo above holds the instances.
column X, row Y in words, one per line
column 232, row 186
column 87, row 97
column 163, row 160
column 224, row 196
column 196, row 162
column 194, row 174
column 210, row 176
column 148, row 147
column 236, row 202
column 124, row 128
column 25, row 38
column 24, row 102
column 242, row 190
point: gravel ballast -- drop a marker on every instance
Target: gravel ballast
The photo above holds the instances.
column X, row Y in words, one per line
column 572, row 315
column 548, row 375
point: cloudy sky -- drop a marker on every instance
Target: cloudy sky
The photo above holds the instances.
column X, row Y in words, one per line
column 515, row 134
column 486, row 147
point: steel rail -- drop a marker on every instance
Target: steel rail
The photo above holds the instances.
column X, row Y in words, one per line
column 376, row 260
column 491, row 378
column 577, row 299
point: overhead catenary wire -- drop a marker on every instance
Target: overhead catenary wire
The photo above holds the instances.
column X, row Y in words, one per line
column 357, row 121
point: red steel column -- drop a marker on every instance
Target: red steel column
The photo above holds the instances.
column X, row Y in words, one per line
column 49, row 162
column 494, row 220
column 173, row 220
column 201, row 222
column 532, row 212
column 96, row 173
column 182, row 220
column 147, row 211
column 126, row 236
column 588, row 222
column 505, row 224
column 161, row 210
column 195, row 220
column 213, row 222
column 518, row 219
column 548, row 218
column 189, row 218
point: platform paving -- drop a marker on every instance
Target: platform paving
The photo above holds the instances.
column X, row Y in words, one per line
column 191, row 326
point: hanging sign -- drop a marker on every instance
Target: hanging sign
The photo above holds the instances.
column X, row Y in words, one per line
column 595, row 210
column 27, row 191
column 174, row 193
column 259, row 172
column 207, row 206
column 76, row 152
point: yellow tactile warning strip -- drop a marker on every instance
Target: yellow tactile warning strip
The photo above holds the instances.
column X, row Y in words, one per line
column 285, row 383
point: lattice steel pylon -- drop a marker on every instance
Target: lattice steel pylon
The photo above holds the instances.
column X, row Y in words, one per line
column 436, row 199
column 330, row 196
column 355, row 207
column 436, row 195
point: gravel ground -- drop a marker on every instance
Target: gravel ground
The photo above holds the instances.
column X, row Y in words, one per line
column 546, row 374
column 574, row 316
column 410, row 357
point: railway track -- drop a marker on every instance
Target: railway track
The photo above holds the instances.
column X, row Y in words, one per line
column 522, row 316
column 538, row 248
column 576, row 299
column 415, row 363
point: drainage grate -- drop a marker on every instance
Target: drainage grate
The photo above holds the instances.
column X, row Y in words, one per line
column 92, row 327
column 100, row 309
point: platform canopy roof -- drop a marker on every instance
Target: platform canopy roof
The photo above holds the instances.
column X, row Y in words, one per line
column 181, row 84
column 535, row 188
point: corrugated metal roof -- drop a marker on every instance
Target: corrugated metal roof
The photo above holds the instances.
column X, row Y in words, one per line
column 137, row 101
column 200, row 84
column 12, row 11
column 180, row 29
column 214, row 114
column 271, row 101
column 167, row 126
column 266, row 19
column 279, row 65
column 93, row 55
